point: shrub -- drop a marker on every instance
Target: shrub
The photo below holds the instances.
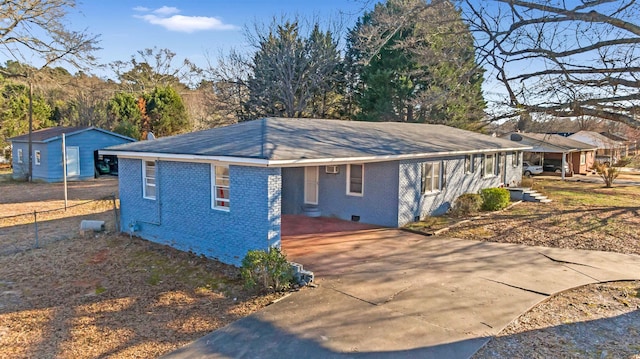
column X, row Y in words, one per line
column 608, row 174
column 268, row 269
column 494, row 199
column 467, row 204
column 623, row 162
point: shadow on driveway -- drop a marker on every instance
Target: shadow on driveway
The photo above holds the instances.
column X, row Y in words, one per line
column 389, row 293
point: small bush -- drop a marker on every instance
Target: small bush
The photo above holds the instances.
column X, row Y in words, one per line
column 608, row 174
column 269, row 270
column 494, row 199
column 467, row 204
column 623, row 162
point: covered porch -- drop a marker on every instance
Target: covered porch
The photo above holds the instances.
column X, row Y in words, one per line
column 353, row 192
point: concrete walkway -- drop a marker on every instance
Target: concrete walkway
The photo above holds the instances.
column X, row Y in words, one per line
column 386, row 293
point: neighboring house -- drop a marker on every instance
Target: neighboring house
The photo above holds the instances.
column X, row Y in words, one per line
column 552, row 151
column 624, row 143
column 82, row 145
column 222, row 192
column 608, row 150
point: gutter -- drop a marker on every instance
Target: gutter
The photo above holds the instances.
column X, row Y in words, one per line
column 261, row 162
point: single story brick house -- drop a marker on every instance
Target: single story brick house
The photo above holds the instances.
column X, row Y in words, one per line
column 608, row 151
column 82, row 145
column 556, row 150
column 223, row 191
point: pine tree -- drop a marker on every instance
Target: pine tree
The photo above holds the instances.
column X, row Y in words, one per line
column 415, row 62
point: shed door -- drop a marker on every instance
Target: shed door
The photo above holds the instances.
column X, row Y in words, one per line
column 73, row 161
column 311, row 185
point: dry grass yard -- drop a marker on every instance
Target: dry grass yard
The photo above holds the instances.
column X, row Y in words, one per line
column 107, row 295
column 104, row 295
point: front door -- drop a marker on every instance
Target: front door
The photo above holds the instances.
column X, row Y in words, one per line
column 73, row 161
column 311, row 185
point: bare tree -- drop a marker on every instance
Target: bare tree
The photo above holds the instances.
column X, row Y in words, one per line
column 290, row 69
column 151, row 68
column 226, row 82
column 36, row 27
column 562, row 58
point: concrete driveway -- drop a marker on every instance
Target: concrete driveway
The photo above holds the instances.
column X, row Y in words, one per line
column 389, row 293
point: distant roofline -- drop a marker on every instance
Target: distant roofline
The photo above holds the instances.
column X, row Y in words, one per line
column 259, row 162
column 77, row 131
column 560, row 148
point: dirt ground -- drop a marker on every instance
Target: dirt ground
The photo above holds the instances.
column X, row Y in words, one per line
column 108, row 295
column 104, row 295
column 23, row 197
column 594, row 321
column 91, row 200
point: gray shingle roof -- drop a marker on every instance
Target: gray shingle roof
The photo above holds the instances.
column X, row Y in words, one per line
column 595, row 139
column 47, row 133
column 52, row 133
column 542, row 142
column 300, row 139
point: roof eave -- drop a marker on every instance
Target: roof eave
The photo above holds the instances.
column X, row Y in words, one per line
column 68, row 134
column 260, row 162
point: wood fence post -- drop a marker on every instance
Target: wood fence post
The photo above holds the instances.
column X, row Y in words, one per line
column 115, row 212
column 35, row 222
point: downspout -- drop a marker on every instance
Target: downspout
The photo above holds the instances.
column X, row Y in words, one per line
column 263, row 136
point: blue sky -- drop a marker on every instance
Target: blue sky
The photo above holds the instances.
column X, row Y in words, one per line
column 191, row 28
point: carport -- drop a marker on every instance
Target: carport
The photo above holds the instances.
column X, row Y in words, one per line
column 572, row 157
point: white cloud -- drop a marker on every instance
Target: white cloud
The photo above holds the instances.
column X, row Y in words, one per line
column 141, row 9
column 166, row 10
column 181, row 23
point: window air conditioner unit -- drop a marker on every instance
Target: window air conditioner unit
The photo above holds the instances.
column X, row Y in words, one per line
column 332, row 169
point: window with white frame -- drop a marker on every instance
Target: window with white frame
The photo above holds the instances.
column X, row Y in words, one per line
column 36, row 156
column 149, row 179
column 431, row 177
column 489, row 165
column 583, row 158
column 468, row 164
column 220, row 187
column 20, row 157
column 355, row 179
column 515, row 160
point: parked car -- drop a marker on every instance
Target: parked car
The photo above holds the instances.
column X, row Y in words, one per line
column 529, row 169
column 605, row 160
column 553, row 165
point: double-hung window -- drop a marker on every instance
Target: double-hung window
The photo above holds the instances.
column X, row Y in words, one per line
column 220, row 187
column 149, row 179
column 431, row 177
column 468, row 164
column 515, row 160
column 20, row 158
column 489, row 165
column 355, row 179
